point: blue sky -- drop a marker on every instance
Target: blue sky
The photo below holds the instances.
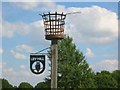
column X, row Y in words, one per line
column 94, row 32
column 12, row 16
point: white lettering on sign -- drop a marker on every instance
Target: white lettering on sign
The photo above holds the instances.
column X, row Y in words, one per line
column 37, row 58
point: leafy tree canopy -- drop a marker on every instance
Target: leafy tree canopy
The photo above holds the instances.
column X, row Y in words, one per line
column 73, row 70
column 105, row 80
column 43, row 85
column 116, row 75
column 5, row 84
column 25, row 85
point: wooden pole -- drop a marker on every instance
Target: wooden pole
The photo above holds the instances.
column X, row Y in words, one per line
column 54, row 64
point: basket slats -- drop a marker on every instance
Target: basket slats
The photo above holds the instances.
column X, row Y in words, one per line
column 54, row 25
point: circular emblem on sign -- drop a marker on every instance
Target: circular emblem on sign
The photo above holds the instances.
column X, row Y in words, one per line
column 37, row 63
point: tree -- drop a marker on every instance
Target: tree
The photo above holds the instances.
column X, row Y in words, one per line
column 105, row 80
column 15, row 87
column 25, row 85
column 45, row 84
column 73, row 70
column 116, row 75
column 0, row 83
column 5, row 84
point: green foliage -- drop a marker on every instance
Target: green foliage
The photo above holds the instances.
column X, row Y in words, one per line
column 105, row 72
column 15, row 87
column 73, row 70
column 116, row 75
column 0, row 83
column 5, row 84
column 25, row 85
column 43, row 85
column 105, row 80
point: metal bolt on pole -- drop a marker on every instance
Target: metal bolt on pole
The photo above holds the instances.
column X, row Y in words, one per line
column 54, row 65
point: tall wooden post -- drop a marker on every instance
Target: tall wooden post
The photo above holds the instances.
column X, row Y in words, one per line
column 54, row 31
column 54, row 64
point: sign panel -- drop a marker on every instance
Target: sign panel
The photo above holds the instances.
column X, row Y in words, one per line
column 37, row 63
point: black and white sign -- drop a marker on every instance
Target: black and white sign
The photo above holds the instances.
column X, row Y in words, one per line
column 37, row 63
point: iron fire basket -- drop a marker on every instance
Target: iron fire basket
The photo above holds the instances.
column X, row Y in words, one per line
column 54, row 25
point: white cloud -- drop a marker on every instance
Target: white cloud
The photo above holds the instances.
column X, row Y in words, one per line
column 24, row 47
column 1, row 51
column 94, row 25
column 109, row 65
column 44, row 5
column 0, row 69
column 0, row 29
column 18, row 55
column 89, row 53
column 34, row 31
column 22, row 67
column 36, row 5
column 0, row 66
column 0, row 19
column 8, row 70
column 10, row 29
column 16, row 77
column 27, row 5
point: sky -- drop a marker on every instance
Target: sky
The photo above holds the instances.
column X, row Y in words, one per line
column 94, row 31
